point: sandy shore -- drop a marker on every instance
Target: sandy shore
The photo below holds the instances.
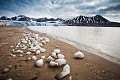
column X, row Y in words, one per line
column 92, row 67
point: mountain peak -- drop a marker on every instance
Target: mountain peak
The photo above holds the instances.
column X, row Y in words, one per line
column 96, row 20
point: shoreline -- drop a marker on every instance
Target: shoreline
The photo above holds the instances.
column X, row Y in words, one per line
column 89, row 49
column 84, row 47
column 92, row 67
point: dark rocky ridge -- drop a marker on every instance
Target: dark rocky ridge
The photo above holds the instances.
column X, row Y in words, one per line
column 97, row 20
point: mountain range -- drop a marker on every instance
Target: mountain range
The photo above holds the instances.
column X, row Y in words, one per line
column 96, row 20
column 25, row 18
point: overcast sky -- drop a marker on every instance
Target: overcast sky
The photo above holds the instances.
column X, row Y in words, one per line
column 109, row 9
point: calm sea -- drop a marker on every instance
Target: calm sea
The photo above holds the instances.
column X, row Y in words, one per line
column 103, row 41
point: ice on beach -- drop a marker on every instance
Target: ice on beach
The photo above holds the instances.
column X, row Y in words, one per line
column 42, row 57
column 28, row 53
column 57, row 51
column 50, row 58
column 65, row 72
column 34, row 58
column 53, row 54
column 79, row 55
column 61, row 56
column 39, row 63
column 18, row 51
column 42, row 50
column 37, row 51
column 60, row 62
column 53, row 63
column 32, row 43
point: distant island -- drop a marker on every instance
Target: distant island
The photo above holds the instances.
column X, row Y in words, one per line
column 97, row 21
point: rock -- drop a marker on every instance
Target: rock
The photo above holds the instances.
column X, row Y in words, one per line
column 79, row 55
column 39, row 63
column 65, row 72
column 28, row 59
column 34, row 58
column 13, row 55
column 10, row 66
column 21, row 55
column 70, row 78
column 9, row 79
column 61, row 56
column 11, row 46
column 57, row 51
column 5, row 70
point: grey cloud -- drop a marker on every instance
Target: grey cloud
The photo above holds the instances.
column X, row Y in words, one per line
column 60, row 8
column 111, row 8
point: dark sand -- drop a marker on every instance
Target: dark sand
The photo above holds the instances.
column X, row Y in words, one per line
column 91, row 67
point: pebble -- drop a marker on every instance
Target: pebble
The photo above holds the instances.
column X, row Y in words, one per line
column 70, row 78
column 14, row 55
column 9, row 79
column 28, row 53
column 5, row 70
column 29, row 58
column 21, row 55
column 10, row 66
column 11, row 46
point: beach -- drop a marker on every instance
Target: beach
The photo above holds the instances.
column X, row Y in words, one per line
column 91, row 67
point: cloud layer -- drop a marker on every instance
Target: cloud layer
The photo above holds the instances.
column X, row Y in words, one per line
column 61, row 8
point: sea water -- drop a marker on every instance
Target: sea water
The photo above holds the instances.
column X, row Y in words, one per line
column 103, row 41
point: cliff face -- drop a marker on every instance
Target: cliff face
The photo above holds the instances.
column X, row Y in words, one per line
column 97, row 20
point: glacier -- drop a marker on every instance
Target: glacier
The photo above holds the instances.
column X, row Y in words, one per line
column 28, row 23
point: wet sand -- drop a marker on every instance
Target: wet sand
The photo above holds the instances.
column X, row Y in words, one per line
column 92, row 67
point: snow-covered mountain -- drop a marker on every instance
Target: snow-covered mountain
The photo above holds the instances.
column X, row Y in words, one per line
column 97, row 20
column 23, row 20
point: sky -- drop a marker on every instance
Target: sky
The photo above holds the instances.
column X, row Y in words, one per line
column 65, row 9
